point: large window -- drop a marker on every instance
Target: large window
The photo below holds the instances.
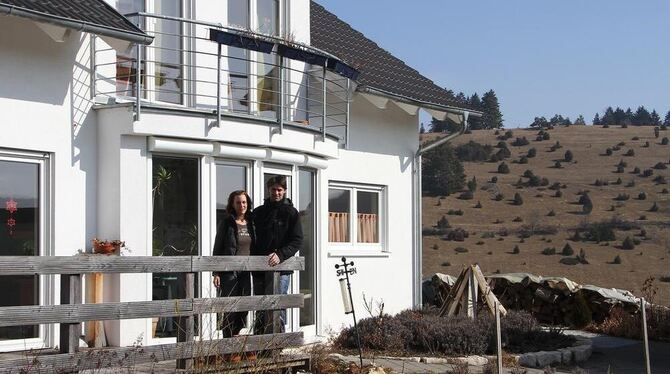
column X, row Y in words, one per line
column 355, row 214
column 175, row 227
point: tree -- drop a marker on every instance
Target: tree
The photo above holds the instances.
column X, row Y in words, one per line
column 580, row 121
column 475, row 102
column 608, row 117
column 443, row 172
column 641, row 117
column 517, row 199
column 666, row 121
column 443, row 126
column 540, row 123
column 492, row 117
column 568, row 157
column 422, row 129
column 655, row 119
column 596, row 119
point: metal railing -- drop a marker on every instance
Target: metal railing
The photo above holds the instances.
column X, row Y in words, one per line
column 185, row 69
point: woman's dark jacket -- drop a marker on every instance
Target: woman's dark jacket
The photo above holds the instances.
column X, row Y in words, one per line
column 225, row 243
column 278, row 229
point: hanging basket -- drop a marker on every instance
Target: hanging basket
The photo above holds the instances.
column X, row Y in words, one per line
column 107, row 247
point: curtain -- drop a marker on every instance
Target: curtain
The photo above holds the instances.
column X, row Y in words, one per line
column 367, row 228
column 338, row 228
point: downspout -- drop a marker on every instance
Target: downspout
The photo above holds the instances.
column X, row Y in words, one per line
column 418, row 225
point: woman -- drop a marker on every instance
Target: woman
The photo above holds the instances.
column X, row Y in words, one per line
column 235, row 236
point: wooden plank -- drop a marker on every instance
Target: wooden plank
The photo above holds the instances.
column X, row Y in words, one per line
column 186, row 324
column 128, row 357
column 70, row 293
column 40, row 314
column 85, row 264
column 244, row 263
column 490, row 298
column 457, row 298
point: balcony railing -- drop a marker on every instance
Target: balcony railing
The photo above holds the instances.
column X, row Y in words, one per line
column 187, row 66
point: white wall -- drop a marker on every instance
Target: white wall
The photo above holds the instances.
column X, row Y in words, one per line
column 382, row 143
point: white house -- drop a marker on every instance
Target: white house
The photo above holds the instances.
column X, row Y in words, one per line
column 87, row 152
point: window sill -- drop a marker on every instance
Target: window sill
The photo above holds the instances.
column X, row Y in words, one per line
column 348, row 253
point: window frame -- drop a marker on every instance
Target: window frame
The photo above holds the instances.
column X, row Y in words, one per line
column 353, row 244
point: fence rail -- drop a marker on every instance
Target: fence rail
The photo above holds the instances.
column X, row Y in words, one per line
column 71, row 312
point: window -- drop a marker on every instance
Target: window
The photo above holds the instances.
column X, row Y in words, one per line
column 355, row 214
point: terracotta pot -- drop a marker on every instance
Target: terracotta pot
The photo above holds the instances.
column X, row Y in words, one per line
column 104, row 248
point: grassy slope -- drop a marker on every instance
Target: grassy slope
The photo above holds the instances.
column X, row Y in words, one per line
column 650, row 258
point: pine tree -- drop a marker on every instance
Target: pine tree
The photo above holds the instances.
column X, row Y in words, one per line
column 580, row 121
column 655, row 119
column 443, row 172
column 608, row 117
column 475, row 101
column 666, row 121
column 641, row 117
column 492, row 118
column 596, row 119
column 422, row 130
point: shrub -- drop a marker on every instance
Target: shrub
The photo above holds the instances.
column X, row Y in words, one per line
column 631, row 183
column 517, row 219
column 619, row 169
column 472, row 184
column 509, row 134
column 478, row 205
column 642, row 196
column 494, row 179
column 558, row 193
column 568, row 157
column 608, row 151
column 523, row 160
column 528, row 173
column 665, row 141
column 466, row 195
column 654, row 208
column 622, row 197
column 557, row 165
column 517, row 199
column 622, row 163
column 659, row 179
column 664, row 191
column 443, row 172
column 532, row 152
column 581, row 313
column 598, row 231
column 630, row 153
column 379, row 333
column 546, row 136
column 499, row 197
column 549, row 251
column 518, row 142
column 452, row 212
column 646, row 144
column 617, row 260
column 642, row 217
column 443, row 223
column 445, row 263
column 636, row 138
column 660, row 166
column 551, row 213
column 461, row 250
column 457, row 235
column 501, row 145
column 657, row 132
column 567, row 250
column 636, row 170
column 618, row 181
column 581, row 257
column 473, row 151
column 628, row 243
column 503, row 168
column 647, row 173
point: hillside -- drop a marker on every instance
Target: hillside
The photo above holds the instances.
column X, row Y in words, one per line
column 498, row 226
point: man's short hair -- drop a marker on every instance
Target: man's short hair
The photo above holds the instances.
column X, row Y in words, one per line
column 277, row 180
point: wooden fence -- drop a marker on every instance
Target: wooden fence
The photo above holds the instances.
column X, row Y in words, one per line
column 71, row 312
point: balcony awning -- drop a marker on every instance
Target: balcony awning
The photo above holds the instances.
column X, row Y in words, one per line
column 93, row 16
column 293, row 51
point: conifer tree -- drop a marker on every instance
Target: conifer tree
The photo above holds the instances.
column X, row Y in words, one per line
column 492, row 118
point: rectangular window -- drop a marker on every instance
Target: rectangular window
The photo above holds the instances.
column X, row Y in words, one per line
column 355, row 214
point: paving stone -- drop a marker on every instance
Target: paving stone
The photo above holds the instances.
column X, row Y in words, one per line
column 528, row 359
column 434, row 360
column 566, row 356
column 545, row 358
column 581, row 353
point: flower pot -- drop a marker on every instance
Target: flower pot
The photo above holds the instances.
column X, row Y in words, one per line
column 301, row 55
column 105, row 248
column 239, row 41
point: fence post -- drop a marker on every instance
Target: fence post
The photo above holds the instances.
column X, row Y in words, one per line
column 276, row 319
column 70, row 293
column 186, row 324
column 498, row 339
column 645, row 338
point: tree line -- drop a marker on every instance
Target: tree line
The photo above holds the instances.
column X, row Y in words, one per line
column 611, row 117
column 488, row 104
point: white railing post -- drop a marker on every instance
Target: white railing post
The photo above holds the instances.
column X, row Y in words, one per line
column 218, row 85
column 498, row 340
column 138, row 83
column 282, row 77
column 323, row 124
column 645, row 338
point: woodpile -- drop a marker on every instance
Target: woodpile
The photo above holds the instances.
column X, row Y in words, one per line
column 469, row 293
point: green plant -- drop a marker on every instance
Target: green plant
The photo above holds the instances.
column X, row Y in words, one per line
column 567, row 250
column 628, row 243
column 503, row 168
column 617, row 260
column 517, row 199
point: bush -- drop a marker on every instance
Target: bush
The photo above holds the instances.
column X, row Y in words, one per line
column 659, row 179
column 501, row 145
column 660, row 166
column 647, row 173
column 617, row 260
column 646, row 144
column 517, row 219
column 443, row 172
column 557, row 165
column 630, row 153
column 517, row 199
column 546, row 136
column 443, row 223
column 473, row 151
column 503, row 168
column 532, row 152
column 665, row 191
column 472, row 184
column 494, row 179
column 628, row 243
column 622, row 197
column 461, row 250
column 549, row 251
column 567, row 250
column 457, row 235
column 478, row 205
column 636, row 170
column 654, row 208
column 508, row 134
column 619, row 169
column 622, row 163
column 631, row 183
column 452, row 212
column 581, row 313
column 499, row 197
column 518, row 142
column 642, row 196
column 665, row 141
column 516, row 250
column 551, row 213
column 523, row 160
column 602, row 231
column 558, row 193
column 466, row 195
column 608, row 151
column 568, row 157
column 636, row 138
column 618, row 181
column 379, row 333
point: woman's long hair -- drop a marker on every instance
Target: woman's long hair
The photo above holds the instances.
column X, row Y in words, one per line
column 230, row 208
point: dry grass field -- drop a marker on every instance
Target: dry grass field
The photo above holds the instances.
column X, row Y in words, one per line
column 494, row 252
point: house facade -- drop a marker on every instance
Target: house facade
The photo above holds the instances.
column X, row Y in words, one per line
column 134, row 120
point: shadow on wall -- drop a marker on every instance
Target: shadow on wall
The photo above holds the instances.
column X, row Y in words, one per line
column 33, row 63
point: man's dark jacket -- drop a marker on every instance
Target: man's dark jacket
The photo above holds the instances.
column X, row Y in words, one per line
column 278, row 229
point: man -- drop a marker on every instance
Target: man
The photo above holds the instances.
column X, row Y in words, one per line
column 279, row 237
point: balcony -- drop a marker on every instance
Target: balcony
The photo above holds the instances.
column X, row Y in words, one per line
column 225, row 73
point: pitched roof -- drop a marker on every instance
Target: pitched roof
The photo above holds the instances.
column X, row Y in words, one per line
column 95, row 16
column 379, row 70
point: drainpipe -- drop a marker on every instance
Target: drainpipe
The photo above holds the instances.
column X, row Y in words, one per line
column 418, row 225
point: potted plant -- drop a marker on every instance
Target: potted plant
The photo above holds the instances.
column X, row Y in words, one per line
column 236, row 40
column 107, row 247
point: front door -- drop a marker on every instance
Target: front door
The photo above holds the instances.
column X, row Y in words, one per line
column 22, row 233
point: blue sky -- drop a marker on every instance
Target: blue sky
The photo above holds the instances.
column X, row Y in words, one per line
column 541, row 57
